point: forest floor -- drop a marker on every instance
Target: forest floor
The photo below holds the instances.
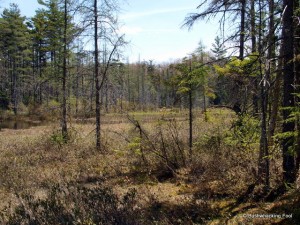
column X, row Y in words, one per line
column 203, row 190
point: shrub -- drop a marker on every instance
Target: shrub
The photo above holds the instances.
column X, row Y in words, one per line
column 245, row 133
column 57, row 138
column 161, row 150
column 75, row 205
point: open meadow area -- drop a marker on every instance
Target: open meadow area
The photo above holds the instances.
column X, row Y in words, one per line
column 136, row 180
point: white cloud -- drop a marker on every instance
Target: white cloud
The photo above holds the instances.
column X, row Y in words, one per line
column 153, row 12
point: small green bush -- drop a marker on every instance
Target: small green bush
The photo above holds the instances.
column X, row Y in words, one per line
column 245, row 133
column 57, row 138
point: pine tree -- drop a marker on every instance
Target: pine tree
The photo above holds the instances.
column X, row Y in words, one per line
column 15, row 47
column 218, row 49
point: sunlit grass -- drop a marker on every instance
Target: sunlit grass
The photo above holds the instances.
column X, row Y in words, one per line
column 32, row 160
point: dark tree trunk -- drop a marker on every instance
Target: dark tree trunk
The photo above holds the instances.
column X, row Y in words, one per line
column 204, row 105
column 276, row 90
column 92, row 92
column 190, row 123
column 253, row 26
column 263, row 161
column 97, row 79
column 14, row 89
column 64, row 78
column 40, row 64
column 128, row 85
column 288, row 90
column 144, row 74
column 106, row 96
column 242, row 28
column 297, row 78
column 190, row 118
column 254, row 49
column 275, row 102
column 77, row 88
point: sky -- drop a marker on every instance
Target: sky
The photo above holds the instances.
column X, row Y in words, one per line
column 152, row 27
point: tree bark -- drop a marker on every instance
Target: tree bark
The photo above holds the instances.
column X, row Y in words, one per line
column 64, row 127
column 263, row 162
column 97, row 79
column 254, row 49
column 288, row 90
column 14, row 88
column 242, row 28
column 275, row 103
column 190, row 118
column 297, row 79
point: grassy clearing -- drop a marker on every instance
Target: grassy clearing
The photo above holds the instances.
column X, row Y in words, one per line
column 165, row 187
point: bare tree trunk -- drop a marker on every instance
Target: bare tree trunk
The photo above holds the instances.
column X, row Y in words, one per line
column 77, row 87
column 190, row 123
column 288, row 90
column 159, row 91
column 253, row 26
column 64, row 127
column 276, row 89
column 128, row 83
column 122, row 87
column 254, row 49
column 242, row 28
column 14, row 88
column 204, row 105
column 275, row 102
column 40, row 93
column 92, row 92
column 97, row 79
column 263, row 161
column 190, row 118
column 143, row 73
column 106, row 95
column 297, row 81
column 138, row 84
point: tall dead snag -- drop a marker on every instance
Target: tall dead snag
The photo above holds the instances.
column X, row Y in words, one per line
column 263, row 161
column 97, row 78
column 105, row 26
column 254, row 50
column 64, row 126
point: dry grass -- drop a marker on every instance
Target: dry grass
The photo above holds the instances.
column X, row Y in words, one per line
column 32, row 160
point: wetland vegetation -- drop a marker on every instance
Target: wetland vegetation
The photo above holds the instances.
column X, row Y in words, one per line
column 87, row 137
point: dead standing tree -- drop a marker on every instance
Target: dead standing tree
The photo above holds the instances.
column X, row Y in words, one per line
column 104, row 26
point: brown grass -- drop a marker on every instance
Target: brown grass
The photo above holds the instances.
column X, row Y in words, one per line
column 31, row 161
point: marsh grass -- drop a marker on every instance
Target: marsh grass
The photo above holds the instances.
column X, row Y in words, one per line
column 33, row 161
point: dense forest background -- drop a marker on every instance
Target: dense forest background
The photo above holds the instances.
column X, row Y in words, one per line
column 252, row 70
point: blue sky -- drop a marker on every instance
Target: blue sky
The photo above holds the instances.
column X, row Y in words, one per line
column 153, row 28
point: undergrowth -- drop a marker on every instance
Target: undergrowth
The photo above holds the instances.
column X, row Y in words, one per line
column 81, row 185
